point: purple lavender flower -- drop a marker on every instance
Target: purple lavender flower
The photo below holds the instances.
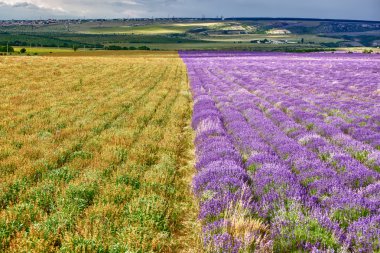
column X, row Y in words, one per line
column 289, row 140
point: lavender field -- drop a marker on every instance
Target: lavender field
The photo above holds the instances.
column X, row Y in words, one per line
column 288, row 151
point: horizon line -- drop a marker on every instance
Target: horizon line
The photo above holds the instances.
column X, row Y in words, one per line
column 200, row 18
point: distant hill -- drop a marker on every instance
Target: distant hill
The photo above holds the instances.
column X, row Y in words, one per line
column 193, row 33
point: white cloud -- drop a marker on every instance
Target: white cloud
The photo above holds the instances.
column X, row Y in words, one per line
column 30, row 10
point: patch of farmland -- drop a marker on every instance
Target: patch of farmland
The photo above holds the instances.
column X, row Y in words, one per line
column 95, row 154
column 288, row 151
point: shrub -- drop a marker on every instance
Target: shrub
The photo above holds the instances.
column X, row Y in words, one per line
column 367, row 51
column 143, row 48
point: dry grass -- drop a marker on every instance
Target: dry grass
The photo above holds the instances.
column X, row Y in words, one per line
column 247, row 229
column 96, row 154
column 243, row 228
column 359, row 49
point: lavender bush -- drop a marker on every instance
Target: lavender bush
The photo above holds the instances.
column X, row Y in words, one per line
column 288, row 151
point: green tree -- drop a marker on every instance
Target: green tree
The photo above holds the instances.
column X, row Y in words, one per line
column 6, row 49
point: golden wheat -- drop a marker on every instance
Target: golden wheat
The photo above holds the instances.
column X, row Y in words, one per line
column 96, row 154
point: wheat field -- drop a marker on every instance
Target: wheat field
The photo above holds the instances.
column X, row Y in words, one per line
column 96, row 154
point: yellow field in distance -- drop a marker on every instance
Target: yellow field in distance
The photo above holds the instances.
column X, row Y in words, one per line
column 39, row 50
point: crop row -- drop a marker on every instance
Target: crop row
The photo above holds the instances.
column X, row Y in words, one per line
column 111, row 151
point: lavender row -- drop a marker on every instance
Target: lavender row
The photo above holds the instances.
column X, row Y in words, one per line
column 281, row 199
column 342, row 203
column 221, row 184
column 351, row 97
column 285, row 168
column 365, row 129
column 348, row 137
column 352, row 87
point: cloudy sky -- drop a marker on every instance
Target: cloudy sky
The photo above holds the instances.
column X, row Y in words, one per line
column 34, row 9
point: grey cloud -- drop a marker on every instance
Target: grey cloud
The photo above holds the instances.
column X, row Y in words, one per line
column 24, row 4
column 344, row 9
column 18, row 5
